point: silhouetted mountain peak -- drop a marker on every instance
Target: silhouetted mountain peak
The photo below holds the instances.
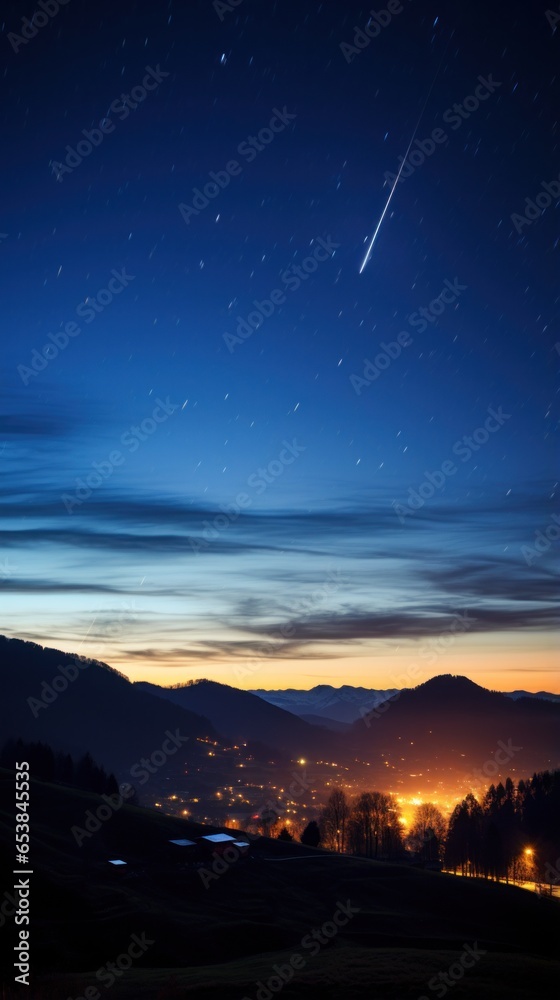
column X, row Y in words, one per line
column 453, row 690
column 452, row 683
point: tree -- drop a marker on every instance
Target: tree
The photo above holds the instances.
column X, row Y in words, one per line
column 335, row 818
column 284, row 834
column 374, row 825
column 268, row 820
column 464, row 838
column 512, row 834
column 427, row 832
column 311, row 836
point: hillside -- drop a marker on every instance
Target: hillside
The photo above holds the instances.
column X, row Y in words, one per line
column 449, row 725
column 429, row 740
column 99, row 711
column 220, row 940
column 244, row 717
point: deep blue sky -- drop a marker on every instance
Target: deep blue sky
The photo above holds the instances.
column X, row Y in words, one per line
column 118, row 574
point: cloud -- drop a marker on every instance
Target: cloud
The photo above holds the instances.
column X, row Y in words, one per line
column 420, row 623
column 259, row 573
column 13, row 585
column 498, row 579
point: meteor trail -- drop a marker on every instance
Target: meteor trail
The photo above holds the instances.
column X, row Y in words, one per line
column 384, row 213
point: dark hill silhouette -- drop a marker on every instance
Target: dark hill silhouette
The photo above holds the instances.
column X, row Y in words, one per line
column 450, row 722
column 440, row 731
column 451, row 689
column 244, row 717
column 344, row 703
column 100, row 711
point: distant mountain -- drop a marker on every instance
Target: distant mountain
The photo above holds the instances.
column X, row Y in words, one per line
column 450, row 728
column 545, row 695
column 443, row 736
column 80, row 705
column 342, row 704
column 345, row 704
column 244, row 717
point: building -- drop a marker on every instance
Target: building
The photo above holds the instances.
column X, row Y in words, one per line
column 216, row 843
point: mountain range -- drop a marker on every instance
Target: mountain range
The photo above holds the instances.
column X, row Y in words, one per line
column 344, row 704
column 448, row 733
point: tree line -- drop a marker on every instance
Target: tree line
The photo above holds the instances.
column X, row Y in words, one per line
column 512, row 834
column 61, row 768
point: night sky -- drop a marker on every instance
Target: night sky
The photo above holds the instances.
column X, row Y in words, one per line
column 194, row 485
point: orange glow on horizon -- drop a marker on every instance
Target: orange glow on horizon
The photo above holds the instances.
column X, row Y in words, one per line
column 500, row 661
column 499, row 668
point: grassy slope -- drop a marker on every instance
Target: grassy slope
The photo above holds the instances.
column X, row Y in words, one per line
column 221, row 940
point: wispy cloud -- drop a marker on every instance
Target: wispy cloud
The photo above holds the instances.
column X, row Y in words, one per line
column 243, row 587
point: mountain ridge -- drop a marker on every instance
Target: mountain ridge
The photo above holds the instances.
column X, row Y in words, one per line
column 343, row 704
column 241, row 715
